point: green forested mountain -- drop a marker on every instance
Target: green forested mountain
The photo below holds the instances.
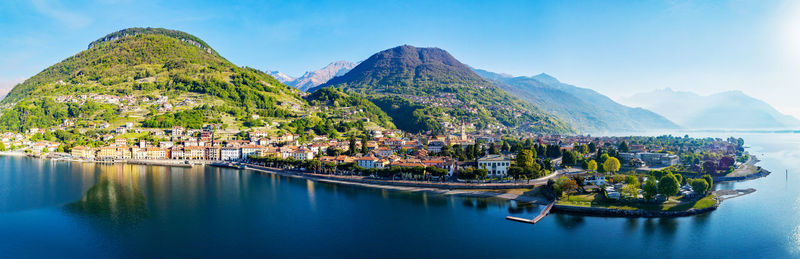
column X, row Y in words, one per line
column 584, row 109
column 155, row 78
column 426, row 88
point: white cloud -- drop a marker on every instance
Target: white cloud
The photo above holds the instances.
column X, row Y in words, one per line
column 57, row 12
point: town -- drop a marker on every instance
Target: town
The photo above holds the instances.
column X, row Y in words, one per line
column 456, row 155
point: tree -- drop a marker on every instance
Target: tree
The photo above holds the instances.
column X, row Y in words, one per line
column 632, row 180
column 525, row 158
column 2, row 146
column 709, row 167
column 565, row 185
column 709, row 180
column 650, row 188
column 668, row 185
column 592, row 165
column 699, row 185
column 569, row 157
column 611, row 165
column 623, row 147
column 630, row 191
column 352, row 148
column 493, row 150
column 505, row 146
column 364, row 148
column 592, row 147
column 583, row 149
column 541, row 150
column 516, row 172
column 680, row 178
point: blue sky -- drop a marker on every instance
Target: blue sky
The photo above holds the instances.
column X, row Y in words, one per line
column 615, row 47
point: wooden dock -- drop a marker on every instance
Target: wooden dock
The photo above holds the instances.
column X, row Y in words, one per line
column 542, row 214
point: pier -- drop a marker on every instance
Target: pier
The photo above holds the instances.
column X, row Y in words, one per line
column 542, row 214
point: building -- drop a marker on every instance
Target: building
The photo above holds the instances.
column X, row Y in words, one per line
column 83, row 152
column 138, row 153
column 230, row 153
column 659, row 159
column 303, row 154
column 250, row 150
column 194, row 153
column 156, row 153
column 213, row 153
column 107, row 152
column 496, row 164
column 367, row 162
column 436, row 146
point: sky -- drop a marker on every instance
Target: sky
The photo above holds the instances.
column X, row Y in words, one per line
column 617, row 48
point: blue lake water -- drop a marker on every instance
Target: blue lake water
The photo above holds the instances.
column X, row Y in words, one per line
column 62, row 209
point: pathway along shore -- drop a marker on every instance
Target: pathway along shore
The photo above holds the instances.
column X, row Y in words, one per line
column 488, row 190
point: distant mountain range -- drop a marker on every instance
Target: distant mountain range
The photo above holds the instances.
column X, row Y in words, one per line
column 314, row 78
column 584, row 109
column 726, row 110
column 283, row 78
column 427, row 88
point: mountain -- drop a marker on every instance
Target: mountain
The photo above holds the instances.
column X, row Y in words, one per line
column 428, row 89
column 726, row 110
column 584, row 109
column 314, row 78
column 283, row 78
column 151, row 76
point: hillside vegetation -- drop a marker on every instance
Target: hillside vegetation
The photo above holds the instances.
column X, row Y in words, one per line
column 169, row 77
column 427, row 89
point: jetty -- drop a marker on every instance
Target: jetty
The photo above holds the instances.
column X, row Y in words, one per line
column 542, row 214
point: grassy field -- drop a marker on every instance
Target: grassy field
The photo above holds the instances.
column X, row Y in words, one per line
column 673, row 204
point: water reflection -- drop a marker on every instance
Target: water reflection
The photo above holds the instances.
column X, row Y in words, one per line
column 568, row 222
column 116, row 196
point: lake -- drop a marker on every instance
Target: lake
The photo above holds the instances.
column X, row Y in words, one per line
column 63, row 209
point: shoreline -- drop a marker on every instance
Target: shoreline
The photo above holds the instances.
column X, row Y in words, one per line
column 489, row 191
column 465, row 191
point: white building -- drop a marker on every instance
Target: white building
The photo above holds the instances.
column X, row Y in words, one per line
column 250, row 150
column 367, row 162
column 496, row 164
column 230, row 153
column 303, row 154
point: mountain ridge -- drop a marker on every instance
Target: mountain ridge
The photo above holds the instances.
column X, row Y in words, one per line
column 725, row 110
column 311, row 79
column 583, row 108
column 430, row 89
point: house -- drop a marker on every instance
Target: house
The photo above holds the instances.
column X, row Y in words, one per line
column 195, row 152
column 367, row 162
column 177, row 153
column 385, row 151
column 303, row 154
column 436, row 146
column 107, row 152
column 612, row 193
column 138, row 153
column 123, row 152
column 659, row 159
column 121, row 142
column 156, row 153
column 177, row 131
column 250, row 150
column 258, row 134
column 83, row 152
column 496, row 164
column 598, row 180
column 230, row 153
column 213, row 153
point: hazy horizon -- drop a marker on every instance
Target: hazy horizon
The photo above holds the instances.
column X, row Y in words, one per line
column 615, row 48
